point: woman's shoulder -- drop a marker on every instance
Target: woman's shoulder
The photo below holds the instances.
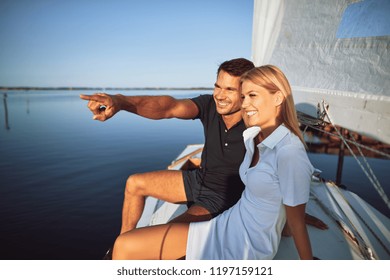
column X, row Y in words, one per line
column 291, row 149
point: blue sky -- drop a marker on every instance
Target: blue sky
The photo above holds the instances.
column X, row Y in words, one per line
column 120, row 43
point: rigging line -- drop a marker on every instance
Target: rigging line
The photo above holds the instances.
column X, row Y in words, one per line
column 376, row 183
column 355, row 143
column 378, row 188
column 365, row 161
column 307, row 120
column 372, row 178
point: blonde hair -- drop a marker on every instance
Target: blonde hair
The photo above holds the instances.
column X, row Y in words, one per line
column 272, row 78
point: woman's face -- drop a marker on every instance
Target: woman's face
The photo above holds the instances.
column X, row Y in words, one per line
column 259, row 106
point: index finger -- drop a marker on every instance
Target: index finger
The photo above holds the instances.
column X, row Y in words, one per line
column 85, row 97
column 94, row 97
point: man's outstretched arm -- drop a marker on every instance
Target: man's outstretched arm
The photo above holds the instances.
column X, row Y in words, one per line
column 104, row 106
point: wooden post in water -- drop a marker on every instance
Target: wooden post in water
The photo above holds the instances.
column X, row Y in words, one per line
column 6, row 111
column 341, row 159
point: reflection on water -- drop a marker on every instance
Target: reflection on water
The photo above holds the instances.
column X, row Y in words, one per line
column 6, row 112
column 62, row 174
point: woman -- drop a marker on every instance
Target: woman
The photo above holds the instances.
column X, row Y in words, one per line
column 276, row 172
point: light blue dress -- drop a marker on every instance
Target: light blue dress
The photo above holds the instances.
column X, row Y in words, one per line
column 251, row 229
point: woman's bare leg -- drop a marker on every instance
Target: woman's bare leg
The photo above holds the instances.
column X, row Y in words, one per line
column 165, row 242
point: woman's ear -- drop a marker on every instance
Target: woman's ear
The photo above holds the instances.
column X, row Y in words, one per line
column 279, row 97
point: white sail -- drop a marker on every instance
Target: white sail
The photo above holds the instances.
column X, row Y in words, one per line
column 333, row 52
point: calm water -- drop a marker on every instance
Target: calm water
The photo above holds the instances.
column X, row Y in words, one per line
column 62, row 174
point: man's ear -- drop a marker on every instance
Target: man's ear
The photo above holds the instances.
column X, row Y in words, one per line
column 279, row 98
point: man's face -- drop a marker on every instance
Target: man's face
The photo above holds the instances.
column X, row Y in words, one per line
column 226, row 94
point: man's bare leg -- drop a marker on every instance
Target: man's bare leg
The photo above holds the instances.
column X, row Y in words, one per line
column 166, row 185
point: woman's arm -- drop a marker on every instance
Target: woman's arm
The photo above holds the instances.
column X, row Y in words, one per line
column 296, row 222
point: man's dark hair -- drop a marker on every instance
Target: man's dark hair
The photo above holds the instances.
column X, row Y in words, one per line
column 236, row 67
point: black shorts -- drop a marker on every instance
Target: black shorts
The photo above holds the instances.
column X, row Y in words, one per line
column 214, row 195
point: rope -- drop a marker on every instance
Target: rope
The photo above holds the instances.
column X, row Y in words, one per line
column 365, row 161
column 350, row 141
column 313, row 123
column 371, row 177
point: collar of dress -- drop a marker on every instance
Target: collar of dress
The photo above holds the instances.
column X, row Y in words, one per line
column 271, row 141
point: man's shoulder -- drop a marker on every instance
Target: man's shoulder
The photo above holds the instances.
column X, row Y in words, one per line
column 205, row 103
column 203, row 98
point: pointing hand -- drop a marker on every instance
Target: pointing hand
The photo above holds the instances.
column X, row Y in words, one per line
column 102, row 105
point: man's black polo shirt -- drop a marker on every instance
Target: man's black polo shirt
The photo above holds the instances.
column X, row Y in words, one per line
column 223, row 152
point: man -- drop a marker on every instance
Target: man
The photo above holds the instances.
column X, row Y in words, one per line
column 216, row 186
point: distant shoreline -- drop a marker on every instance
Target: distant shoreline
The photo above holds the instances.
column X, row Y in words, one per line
column 104, row 88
